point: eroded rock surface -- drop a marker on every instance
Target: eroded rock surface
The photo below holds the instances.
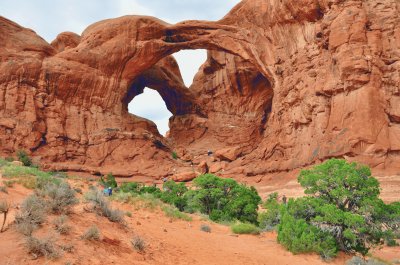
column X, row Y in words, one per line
column 286, row 84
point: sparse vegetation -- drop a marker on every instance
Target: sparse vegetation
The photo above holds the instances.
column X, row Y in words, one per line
column 103, row 208
column 3, row 189
column 138, row 244
column 9, row 183
column 29, row 177
column 245, row 228
column 174, row 155
column 360, row 261
column 205, row 228
column 108, row 181
column 92, row 233
column 24, row 158
column 174, row 213
column 42, row 247
column 32, row 214
column 4, row 209
column 129, row 214
column 61, row 226
column 67, row 248
column 60, row 197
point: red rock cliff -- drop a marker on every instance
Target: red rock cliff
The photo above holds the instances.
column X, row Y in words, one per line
column 286, row 83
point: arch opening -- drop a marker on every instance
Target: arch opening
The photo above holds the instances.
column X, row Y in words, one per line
column 150, row 105
column 163, row 90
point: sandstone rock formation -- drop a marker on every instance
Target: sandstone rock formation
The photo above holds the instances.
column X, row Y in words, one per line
column 286, row 84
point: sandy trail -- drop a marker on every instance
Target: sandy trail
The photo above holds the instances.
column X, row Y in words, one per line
column 168, row 241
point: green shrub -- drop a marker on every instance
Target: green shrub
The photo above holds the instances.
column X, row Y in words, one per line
column 270, row 218
column 132, row 187
column 24, row 158
column 342, row 212
column 174, row 155
column 92, row 233
column 300, row 237
column 150, row 190
column 109, row 181
column 174, row 193
column 42, row 247
column 223, row 199
column 245, row 228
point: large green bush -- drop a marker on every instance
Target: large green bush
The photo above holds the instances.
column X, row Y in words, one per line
column 224, row 199
column 342, row 211
column 270, row 218
column 174, row 193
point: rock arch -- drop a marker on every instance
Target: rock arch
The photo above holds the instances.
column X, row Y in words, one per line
column 324, row 73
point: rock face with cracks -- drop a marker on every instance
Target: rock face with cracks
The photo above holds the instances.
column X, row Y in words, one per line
column 286, row 84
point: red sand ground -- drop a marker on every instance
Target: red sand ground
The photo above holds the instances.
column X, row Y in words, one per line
column 168, row 241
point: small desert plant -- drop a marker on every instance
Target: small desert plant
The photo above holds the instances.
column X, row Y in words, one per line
column 129, row 214
column 4, row 209
column 92, row 233
column 3, row 189
column 42, row 247
column 205, row 228
column 61, row 197
column 174, row 155
column 102, row 206
column 9, row 159
column 138, row 244
column 245, row 228
column 67, row 248
column 359, row 261
column 60, row 174
column 24, row 158
column 61, row 226
column 9, row 183
column 32, row 214
column 391, row 243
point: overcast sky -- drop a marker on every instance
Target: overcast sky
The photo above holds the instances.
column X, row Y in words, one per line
column 51, row 17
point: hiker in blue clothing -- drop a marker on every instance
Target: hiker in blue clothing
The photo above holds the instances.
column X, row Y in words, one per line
column 107, row 191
